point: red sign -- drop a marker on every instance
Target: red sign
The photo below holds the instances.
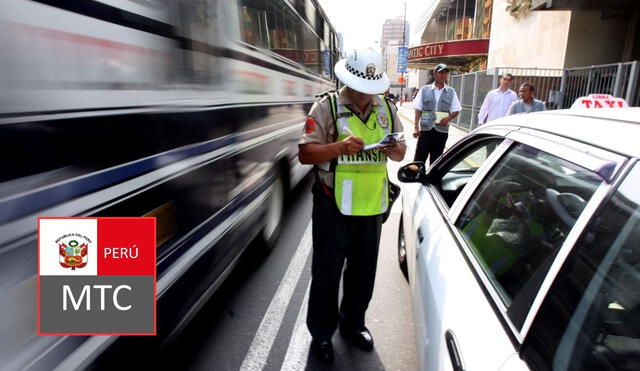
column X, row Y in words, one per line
column 599, row 101
column 126, row 246
column 449, row 48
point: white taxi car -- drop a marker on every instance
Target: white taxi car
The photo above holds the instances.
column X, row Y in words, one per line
column 522, row 245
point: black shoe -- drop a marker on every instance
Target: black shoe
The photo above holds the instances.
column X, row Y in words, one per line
column 360, row 339
column 323, row 350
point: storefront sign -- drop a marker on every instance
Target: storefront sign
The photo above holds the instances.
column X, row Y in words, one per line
column 449, row 48
column 425, row 51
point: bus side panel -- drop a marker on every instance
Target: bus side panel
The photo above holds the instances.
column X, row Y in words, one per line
column 201, row 207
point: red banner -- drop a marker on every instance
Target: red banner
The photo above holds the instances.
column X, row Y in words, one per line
column 449, row 48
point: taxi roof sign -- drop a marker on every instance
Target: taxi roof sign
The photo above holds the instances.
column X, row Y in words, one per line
column 599, row 101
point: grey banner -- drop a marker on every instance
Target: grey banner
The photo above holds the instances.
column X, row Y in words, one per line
column 96, row 304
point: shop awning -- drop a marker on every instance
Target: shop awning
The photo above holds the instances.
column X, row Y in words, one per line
column 455, row 54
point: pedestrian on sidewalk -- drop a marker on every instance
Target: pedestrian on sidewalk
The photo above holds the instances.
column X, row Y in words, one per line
column 391, row 98
column 350, row 196
column 435, row 106
column 497, row 102
column 526, row 103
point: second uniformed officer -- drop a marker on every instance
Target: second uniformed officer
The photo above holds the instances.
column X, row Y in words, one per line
column 350, row 195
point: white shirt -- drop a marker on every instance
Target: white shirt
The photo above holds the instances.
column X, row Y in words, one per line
column 496, row 104
column 455, row 103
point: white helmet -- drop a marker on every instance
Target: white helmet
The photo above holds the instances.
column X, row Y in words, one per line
column 362, row 71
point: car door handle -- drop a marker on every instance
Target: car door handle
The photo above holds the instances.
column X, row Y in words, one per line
column 420, row 235
column 454, row 353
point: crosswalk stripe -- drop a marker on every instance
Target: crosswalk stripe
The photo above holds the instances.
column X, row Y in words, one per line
column 298, row 350
column 256, row 357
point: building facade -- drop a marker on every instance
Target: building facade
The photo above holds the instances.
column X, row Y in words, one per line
column 452, row 32
column 473, row 35
column 395, row 34
column 563, row 34
column 392, row 30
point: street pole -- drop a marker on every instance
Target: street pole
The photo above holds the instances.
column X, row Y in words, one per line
column 404, row 42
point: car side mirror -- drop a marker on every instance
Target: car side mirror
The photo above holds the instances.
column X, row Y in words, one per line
column 412, row 173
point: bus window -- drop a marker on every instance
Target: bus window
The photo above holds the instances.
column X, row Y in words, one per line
column 198, row 27
column 272, row 26
column 326, row 61
column 311, row 48
column 276, row 26
column 254, row 23
column 310, row 13
column 326, row 34
column 287, row 36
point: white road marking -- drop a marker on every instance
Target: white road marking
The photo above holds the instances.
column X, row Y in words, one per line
column 258, row 353
column 298, row 350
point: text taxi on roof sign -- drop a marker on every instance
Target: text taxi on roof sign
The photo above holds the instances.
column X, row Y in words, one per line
column 599, row 101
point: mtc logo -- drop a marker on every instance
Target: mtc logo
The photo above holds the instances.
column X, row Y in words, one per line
column 96, row 276
column 85, row 294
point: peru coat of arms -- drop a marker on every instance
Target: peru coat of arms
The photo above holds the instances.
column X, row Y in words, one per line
column 73, row 254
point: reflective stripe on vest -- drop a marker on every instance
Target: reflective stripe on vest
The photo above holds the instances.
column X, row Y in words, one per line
column 360, row 180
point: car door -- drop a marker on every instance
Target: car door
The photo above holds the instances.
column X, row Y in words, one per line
column 431, row 249
column 413, row 195
column 480, row 271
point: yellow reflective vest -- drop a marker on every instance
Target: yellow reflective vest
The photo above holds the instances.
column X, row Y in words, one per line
column 361, row 185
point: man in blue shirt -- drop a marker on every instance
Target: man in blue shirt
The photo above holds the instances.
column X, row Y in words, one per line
column 526, row 103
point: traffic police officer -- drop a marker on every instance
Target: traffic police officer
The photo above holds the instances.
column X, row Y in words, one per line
column 350, row 195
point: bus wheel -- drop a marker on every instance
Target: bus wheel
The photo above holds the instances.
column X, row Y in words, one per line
column 274, row 213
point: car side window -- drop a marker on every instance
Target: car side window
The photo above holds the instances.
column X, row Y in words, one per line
column 519, row 217
column 458, row 172
column 589, row 320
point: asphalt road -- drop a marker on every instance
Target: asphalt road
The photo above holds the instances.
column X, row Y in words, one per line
column 256, row 320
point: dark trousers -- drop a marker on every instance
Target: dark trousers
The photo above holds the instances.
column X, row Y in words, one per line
column 337, row 238
column 430, row 143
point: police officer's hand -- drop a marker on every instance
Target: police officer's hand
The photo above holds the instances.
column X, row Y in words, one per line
column 351, row 145
column 395, row 152
column 416, row 132
column 444, row 121
column 389, row 149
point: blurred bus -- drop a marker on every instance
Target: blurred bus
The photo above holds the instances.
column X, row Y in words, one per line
column 185, row 110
